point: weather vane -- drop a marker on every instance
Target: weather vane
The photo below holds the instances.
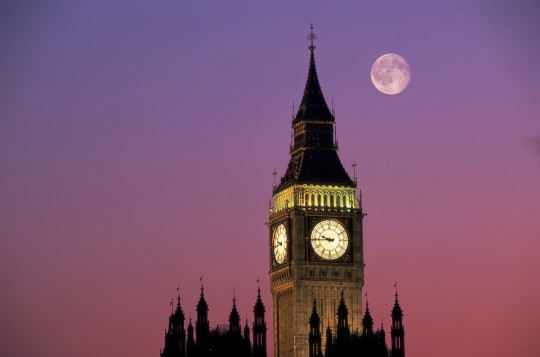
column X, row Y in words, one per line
column 312, row 38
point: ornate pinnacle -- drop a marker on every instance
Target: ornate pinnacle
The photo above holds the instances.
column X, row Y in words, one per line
column 312, row 38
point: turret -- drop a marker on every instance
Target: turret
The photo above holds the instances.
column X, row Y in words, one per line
column 315, row 333
column 367, row 321
column 175, row 336
column 259, row 327
column 397, row 332
column 234, row 320
column 190, row 344
column 202, row 326
column 342, row 333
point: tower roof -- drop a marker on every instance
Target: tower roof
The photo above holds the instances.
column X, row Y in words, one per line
column 234, row 317
column 179, row 313
column 259, row 308
column 313, row 106
column 367, row 321
column 314, row 320
column 314, row 157
column 202, row 306
column 397, row 313
column 342, row 311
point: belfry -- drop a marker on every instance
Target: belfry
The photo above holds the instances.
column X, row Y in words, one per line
column 316, row 238
column 315, row 228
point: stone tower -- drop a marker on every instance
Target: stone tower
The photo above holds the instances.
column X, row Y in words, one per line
column 315, row 229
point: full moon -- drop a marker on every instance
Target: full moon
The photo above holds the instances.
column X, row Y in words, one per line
column 390, row 74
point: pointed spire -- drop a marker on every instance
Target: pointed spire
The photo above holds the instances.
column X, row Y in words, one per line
column 314, row 319
column 367, row 320
column 397, row 313
column 313, row 106
column 202, row 306
column 234, row 319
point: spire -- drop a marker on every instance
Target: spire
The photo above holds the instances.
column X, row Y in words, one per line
column 202, row 326
column 259, row 326
column 179, row 313
column 190, row 344
column 397, row 331
column 202, row 306
column 246, row 330
column 397, row 313
column 313, row 106
column 367, row 321
column 343, row 332
column 328, row 342
column 315, row 348
column 259, row 308
column 234, row 319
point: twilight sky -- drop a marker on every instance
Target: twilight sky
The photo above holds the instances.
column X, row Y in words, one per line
column 138, row 140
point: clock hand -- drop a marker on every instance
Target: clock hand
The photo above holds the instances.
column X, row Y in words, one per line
column 328, row 239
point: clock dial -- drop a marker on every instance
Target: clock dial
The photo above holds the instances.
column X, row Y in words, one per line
column 329, row 239
column 279, row 242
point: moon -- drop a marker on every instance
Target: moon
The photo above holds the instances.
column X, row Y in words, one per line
column 390, row 74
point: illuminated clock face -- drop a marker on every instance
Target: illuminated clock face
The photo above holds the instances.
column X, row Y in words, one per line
column 329, row 239
column 279, row 242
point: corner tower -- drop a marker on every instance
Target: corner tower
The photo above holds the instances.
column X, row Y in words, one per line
column 315, row 228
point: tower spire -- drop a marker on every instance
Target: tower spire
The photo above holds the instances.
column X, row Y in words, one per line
column 397, row 331
column 313, row 106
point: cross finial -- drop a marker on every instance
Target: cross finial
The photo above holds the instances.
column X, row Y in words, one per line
column 202, row 286
column 311, row 37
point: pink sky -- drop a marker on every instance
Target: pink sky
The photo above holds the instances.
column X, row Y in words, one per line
column 138, row 140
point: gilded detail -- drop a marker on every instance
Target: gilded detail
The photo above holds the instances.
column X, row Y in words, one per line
column 316, row 197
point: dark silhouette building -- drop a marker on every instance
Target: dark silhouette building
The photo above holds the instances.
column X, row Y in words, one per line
column 221, row 341
column 315, row 240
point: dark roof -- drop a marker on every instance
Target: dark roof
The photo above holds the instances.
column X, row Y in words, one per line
column 315, row 166
column 313, row 105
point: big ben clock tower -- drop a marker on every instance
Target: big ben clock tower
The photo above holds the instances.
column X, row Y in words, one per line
column 315, row 229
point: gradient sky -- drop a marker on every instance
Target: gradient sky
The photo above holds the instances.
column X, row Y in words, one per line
column 138, row 140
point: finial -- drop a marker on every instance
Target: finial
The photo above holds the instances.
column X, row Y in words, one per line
column 171, row 303
column 355, row 178
column 333, row 110
column 234, row 296
column 292, row 116
column 202, row 285
column 258, row 288
column 274, row 173
column 178, row 292
column 312, row 38
column 395, row 287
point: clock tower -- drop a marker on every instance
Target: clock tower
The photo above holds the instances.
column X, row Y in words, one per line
column 315, row 229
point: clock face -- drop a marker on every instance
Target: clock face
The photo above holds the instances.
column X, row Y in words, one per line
column 279, row 243
column 329, row 239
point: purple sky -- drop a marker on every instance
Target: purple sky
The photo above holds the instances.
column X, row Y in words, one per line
column 138, row 140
